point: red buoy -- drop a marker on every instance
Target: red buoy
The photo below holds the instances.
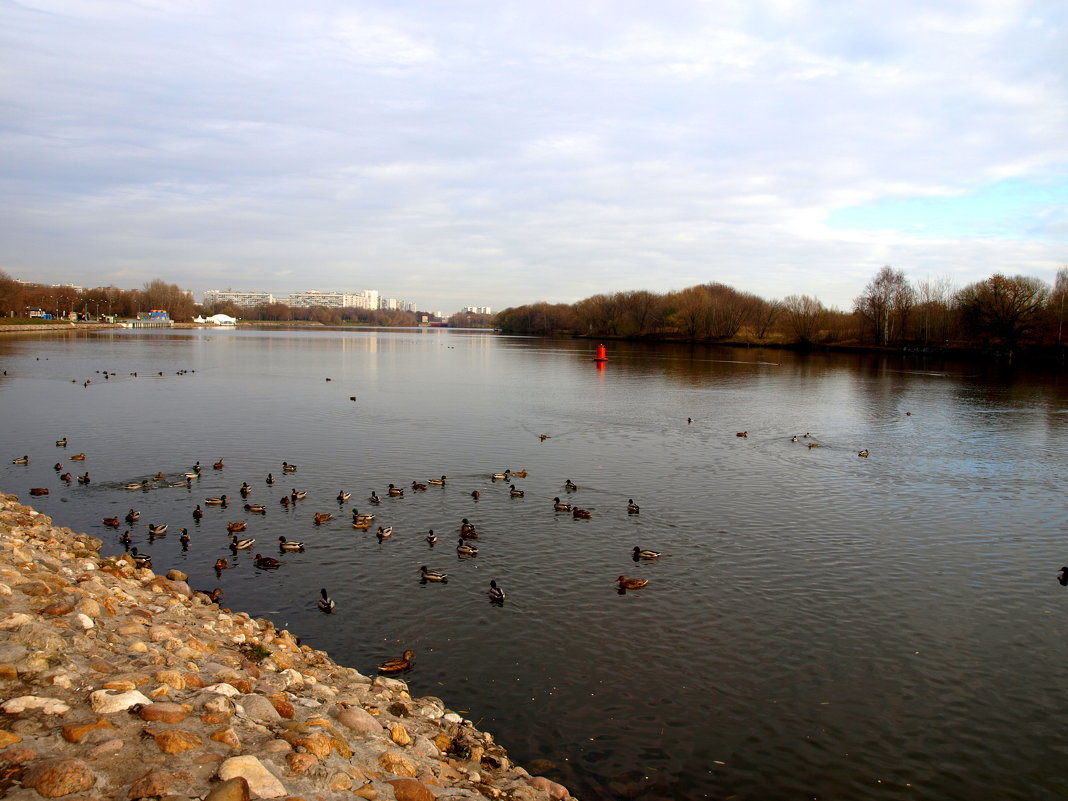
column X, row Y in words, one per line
column 601, row 354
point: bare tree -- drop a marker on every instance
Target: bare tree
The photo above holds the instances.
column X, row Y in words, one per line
column 885, row 304
column 1003, row 308
column 1060, row 289
column 805, row 316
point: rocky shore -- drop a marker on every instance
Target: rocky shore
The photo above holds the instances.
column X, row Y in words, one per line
column 118, row 683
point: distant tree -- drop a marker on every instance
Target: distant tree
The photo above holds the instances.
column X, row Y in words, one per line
column 12, row 297
column 885, row 304
column 764, row 316
column 805, row 316
column 1060, row 291
column 934, row 310
column 1003, row 309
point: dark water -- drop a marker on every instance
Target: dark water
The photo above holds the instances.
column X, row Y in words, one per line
column 821, row 625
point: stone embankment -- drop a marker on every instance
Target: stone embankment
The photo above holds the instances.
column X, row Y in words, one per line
column 117, row 683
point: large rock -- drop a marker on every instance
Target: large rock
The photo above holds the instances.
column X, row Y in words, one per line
column 411, row 790
column 53, row 778
column 260, row 780
column 359, row 720
column 105, row 702
column 257, row 707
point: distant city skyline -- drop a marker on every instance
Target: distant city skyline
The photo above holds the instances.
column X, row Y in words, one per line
column 504, row 154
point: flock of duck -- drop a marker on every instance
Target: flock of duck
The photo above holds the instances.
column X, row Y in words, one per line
column 360, row 520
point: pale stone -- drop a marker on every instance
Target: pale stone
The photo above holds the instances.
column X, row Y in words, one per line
column 257, row 707
column 84, row 621
column 360, row 720
column 222, row 689
column 235, row 789
column 452, row 717
column 13, row 621
column 292, row 678
column 50, row 706
column 103, row 702
column 261, row 781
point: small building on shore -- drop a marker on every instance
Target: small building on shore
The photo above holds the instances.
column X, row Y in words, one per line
column 217, row 319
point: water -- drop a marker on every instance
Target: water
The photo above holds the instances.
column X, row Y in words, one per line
column 821, row 625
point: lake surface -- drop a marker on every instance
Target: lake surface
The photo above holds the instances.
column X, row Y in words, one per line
column 820, row 626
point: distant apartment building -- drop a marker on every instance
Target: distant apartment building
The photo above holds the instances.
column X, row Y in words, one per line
column 477, row 310
column 214, row 297
column 368, row 299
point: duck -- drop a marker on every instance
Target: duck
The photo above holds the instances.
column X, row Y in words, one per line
column 220, row 501
column 395, row 492
column 631, row 583
column 795, row 438
column 432, row 538
column 583, row 514
column 520, row 474
column 83, row 479
column 383, row 533
column 21, row 460
column 141, row 559
column 241, row 545
column 1062, row 576
column 742, row 434
column 289, row 468
column 66, row 477
column 863, row 453
column 221, row 564
column 433, row 575
column 640, row 553
column 144, row 484
column 357, row 515
column 213, row 595
column 515, row 493
column 284, row 500
column 61, row 443
column 361, row 524
column 560, row 506
column 397, row 665
column 158, row 477
column 184, row 538
column 808, row 435
column 197, row 468
column 417, row 487
column 544, row 437
column 58, row 467
column 298, row 495
column 475, row 494
column 500, row 476
column 322, row 517
column 813, row 444
column 632, row 507
column 266, row 562
column 326, row 603
column 467, row 530
column 40, row 491
column 437, row 482
column 126, row 539
column 570, row 485
column 133, row 516
column 245, row 489
column 190, row 476
column 218, row 465
column 236, row 525
column 256, row 508
column 157, row 530
column 113, row 522
column 270, row 478
column 343, row 496
column 465, row 548
column 495, row 593
column 78, row 457
column 198, row 513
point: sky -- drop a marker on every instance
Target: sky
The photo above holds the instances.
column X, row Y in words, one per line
column 498, row 153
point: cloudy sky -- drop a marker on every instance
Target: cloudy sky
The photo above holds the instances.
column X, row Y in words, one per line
column 492, row 152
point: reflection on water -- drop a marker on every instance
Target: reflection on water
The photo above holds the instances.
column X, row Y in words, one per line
column 820, row 625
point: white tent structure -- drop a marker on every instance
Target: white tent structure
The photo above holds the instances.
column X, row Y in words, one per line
column 221, row 319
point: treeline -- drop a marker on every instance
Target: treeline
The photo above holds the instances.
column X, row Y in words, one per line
column 1000, row 312
column 17, row 299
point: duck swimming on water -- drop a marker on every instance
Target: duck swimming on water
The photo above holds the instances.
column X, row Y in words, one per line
column 326, row 603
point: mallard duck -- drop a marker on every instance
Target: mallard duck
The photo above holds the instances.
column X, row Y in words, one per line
column 437, row 482
column 58, row 467
column 374, row 498
column 466, row 548
column 583, row 514
column 245, row 489
column 198, row 513
column 83, row 479
column 631, row 583
column 560, row 506
column 289, row 468
column 639, row 553
column 126, row 539
column 361, row 524
column 141, row 559
column 197, row 468
column 432, row 575
column 467, row 530
column 113, row 522
column 544, row 437
column 241, row 545
column 383, row 533
column 61, row 443
column 1062, row 576
column 78, row 457
column 632, row 507
column 256, row 508
column 284, row 500
column 863, row 453
column 133, row 516
column 190, row 476
column 394, row 492
column 326, row 603
column 417, row 487
column 270, row 478
column 501, row 476
column 322, row 517
column 808, row 435
column 221, row 564
column 66, row 477
column 570, row 485
column 158, row 477
column 218, row 465
column 398, row 665
column 343, row 496
column 157, row 530
column 298, row 495
column 742, row 434
column 236, row 525
column 220, row 501
column 813, row 444
column 515, row 493
column 475, row 494
column 357, row 515
column 183, row 538
column 144, row 484
column 213, row 595
column 520, row 474
column 432, row 538
column 795, row 438
column 266, row 562
column 21, row 460
column 495, row 593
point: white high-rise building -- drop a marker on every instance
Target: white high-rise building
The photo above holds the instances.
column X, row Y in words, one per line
column 215, row 296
